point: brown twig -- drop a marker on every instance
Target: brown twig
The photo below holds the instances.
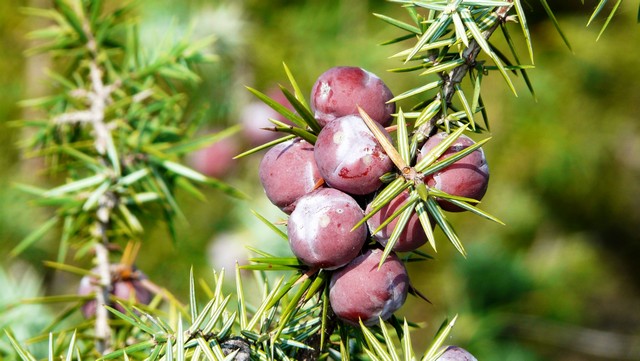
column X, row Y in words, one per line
column 458, row 73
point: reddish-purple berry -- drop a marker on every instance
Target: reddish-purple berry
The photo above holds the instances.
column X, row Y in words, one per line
column 287, row 172
column 349, row 156
column 455, row 353
column 361, row 291
column 320, row 232
column 125, row 285
column 468, row 177
column 215, row 160
column 340, row 90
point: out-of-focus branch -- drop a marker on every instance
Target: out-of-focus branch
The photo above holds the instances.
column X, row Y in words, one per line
column 98, row 98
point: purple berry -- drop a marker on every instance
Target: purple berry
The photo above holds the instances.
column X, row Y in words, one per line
column 287, row 172
column 413, row 235
column 349, row 156
column 125, row 284
column 361, row 291
column 455, row 353
column 468, row 177
column 215, row 160
column 320, row 229
column 340, row 90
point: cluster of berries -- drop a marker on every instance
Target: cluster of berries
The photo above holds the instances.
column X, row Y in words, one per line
column 327, row 187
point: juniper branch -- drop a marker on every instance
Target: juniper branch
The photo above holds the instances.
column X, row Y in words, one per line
column 457, row 74
column 98, row 98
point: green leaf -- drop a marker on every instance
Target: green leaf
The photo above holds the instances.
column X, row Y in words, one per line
column 180, row 356
column 384, row 197
column 182, row 170
column 271, row 226
column 95, row 196
column 344, row 343
column 76, row 186
column 397, row 23
column 417, row 90
column 296, row 89
column 292, row 306
column 302, row 109
column 299, row 132
column 443, row 67
column 67, row 232
column 525, row 28
column 189, row 173
column 442, row 221
column 274, row 263
column 390, row 192
column 407, row 348
column 193, row 307
column 285, row 289
column 324, row 316
column 475, row 210
column 597, row 10
column 68, row 268
column 441, row 164
column 423, row 216
column 398, row 39
column 389, row 342
column 438, row 150
column 445, row 43
column 461, row 32
column 34, row 236
column 525, row 76
column 259, row 313
column 465, row 106
column 374, row 346
column 484, row 45
column 402, row 138
column 191, row 145
column 131, row 317
column 71, row 347
column 438, row 340
column 318, row 282
column 404, row 212
column 71, row 18
column 24, row 354
column 138, row 347
column 87, row 159
column 296, row 119
column 215, row 315
column 549, row 12
column 434, row 31
column 188, row 187
column 611, row 14
column 50, row 346
column 265, row 146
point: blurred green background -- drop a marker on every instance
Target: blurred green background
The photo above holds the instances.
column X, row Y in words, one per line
column 561, row 281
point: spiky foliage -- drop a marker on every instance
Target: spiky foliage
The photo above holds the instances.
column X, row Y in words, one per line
column 116, row 131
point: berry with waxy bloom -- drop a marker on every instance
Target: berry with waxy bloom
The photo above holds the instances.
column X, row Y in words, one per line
column 340, row 90
column 362, row 291
column 349, row 157
column 455, row 353
column 320, row 232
